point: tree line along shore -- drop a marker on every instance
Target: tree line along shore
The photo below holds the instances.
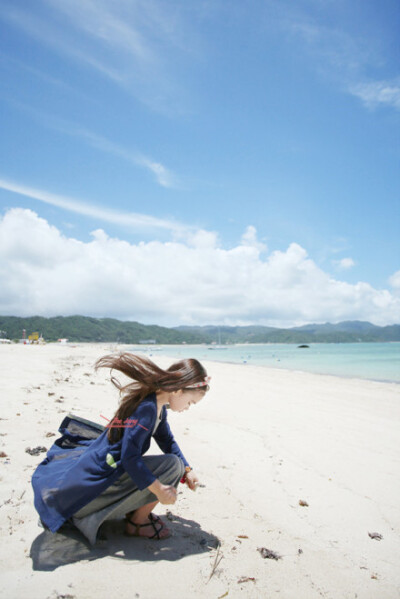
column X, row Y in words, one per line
column 91, row 330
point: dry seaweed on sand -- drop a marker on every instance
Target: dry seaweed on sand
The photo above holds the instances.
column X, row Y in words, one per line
column 217, row 560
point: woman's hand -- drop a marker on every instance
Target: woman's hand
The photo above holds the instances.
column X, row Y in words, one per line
column 165, row 494
column 191, row 480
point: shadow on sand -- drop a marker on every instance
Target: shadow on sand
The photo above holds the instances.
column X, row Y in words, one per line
column 68, row 545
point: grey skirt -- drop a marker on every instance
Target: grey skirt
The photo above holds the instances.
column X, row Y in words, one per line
column 124, row 496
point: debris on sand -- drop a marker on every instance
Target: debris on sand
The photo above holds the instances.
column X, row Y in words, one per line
column 268, row 554
column 3, row 454
column 375, row 535
column 303, row 503
column 217, row 560
column 35, row 450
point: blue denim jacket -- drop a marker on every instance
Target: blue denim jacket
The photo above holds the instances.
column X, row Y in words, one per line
column 82, row 463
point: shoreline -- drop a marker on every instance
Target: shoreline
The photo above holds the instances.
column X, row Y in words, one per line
column 113, row 346
column 298, row 370
column 290, row 369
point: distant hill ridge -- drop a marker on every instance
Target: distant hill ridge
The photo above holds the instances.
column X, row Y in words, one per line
column 89, row 329
column 342, row 332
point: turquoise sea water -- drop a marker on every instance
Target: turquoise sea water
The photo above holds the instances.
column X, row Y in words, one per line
column 376, row 361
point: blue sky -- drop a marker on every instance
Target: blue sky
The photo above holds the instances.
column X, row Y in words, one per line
column 200, row 162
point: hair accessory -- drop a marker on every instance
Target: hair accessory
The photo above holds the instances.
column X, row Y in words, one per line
column 201, row 384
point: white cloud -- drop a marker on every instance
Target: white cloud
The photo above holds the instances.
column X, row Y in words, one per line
column 126, row 219
column 394, row 280
column 344, row 263
column 378, row 93
column 45, row 272
column 249, row 238
column 202, row 239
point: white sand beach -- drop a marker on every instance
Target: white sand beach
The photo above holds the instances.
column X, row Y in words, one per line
column 262, row 442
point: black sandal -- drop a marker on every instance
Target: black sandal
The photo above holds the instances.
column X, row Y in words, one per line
column 152, row 517
column 155, row 536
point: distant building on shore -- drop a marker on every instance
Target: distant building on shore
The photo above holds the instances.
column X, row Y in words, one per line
column 33, row 338
column 4, row 338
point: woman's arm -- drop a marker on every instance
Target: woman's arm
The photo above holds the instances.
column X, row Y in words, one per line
column 135, row 442
column 166, row 494
column 166, row 440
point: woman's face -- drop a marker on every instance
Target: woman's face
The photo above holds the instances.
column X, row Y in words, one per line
column 181, row 400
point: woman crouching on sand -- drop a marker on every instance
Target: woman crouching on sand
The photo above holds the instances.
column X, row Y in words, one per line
column 89, row 480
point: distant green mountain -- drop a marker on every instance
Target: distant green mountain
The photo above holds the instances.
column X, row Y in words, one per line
column 343, row 332
column 356, row 329
column 348, row 326
column 225, row 334
column 89, row 329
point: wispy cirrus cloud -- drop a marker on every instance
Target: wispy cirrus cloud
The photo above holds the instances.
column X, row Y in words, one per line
column 163, row 175
column 134, row 44
column 50, row 33
column 378, row 93
column 132, row 220
column 103, row 23
column 340, row 52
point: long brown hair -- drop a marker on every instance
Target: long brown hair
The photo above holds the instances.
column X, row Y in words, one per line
column 147, row 378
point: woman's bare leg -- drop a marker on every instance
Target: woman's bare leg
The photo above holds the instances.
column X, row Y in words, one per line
column 141, row 514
